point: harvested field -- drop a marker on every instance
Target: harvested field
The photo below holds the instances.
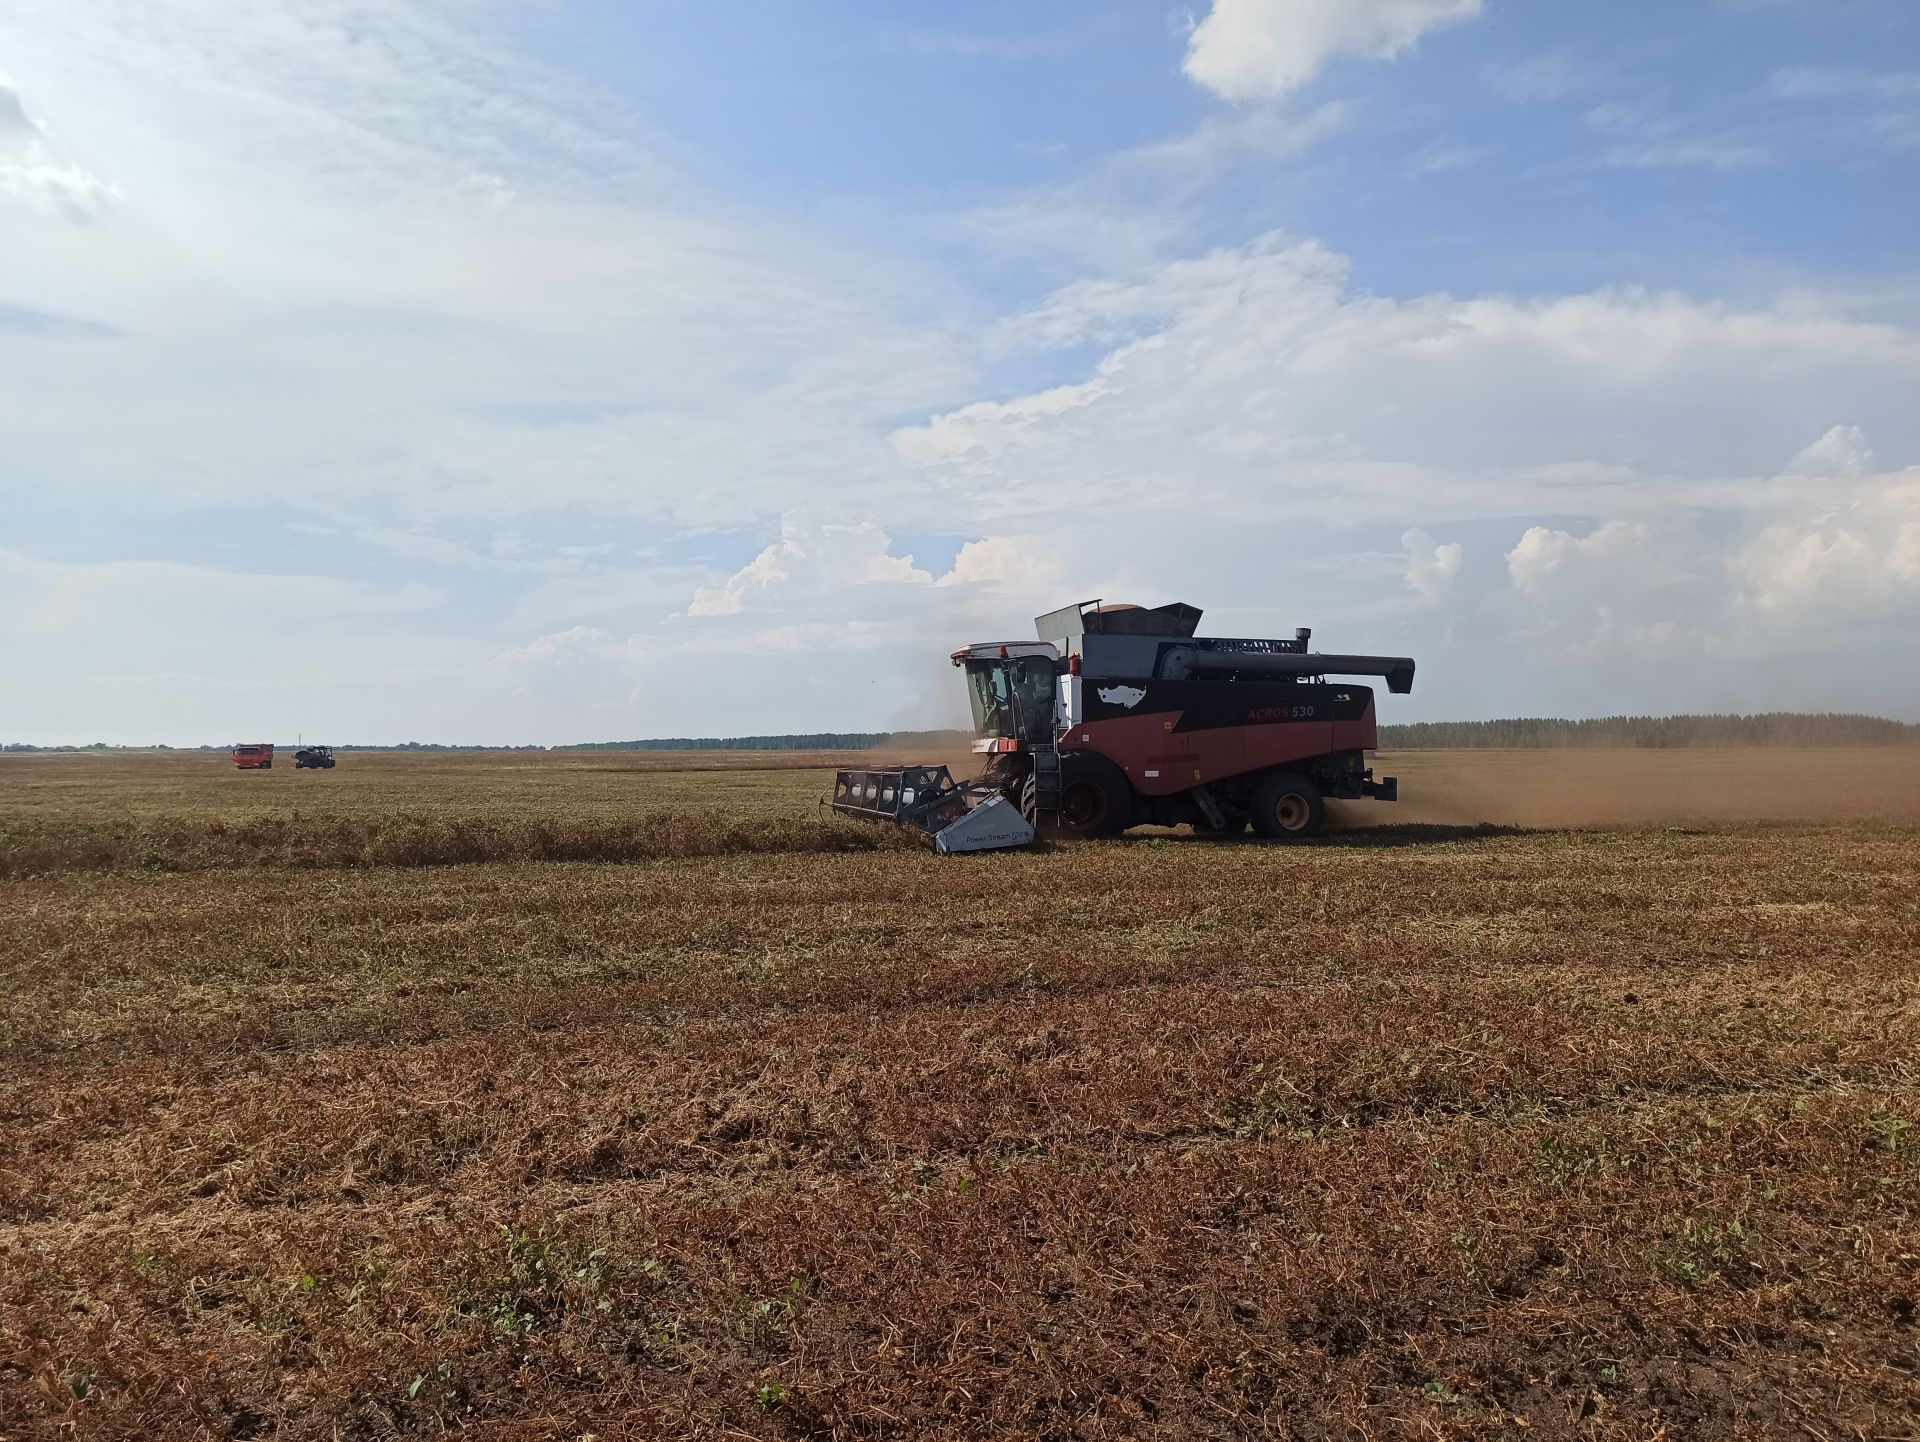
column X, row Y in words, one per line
column 1433, row 1129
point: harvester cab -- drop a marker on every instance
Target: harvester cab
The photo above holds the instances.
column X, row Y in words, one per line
column 1015, row 691
column 1120, row 715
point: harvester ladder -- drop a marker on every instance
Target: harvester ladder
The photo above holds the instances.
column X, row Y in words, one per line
column 1046, row 786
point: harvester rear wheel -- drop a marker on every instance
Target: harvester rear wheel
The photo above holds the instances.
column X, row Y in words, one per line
column 1287, row 807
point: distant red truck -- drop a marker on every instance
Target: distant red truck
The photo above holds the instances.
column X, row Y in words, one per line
column 254, row 757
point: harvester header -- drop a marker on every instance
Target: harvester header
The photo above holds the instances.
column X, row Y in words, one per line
column 1120, row 715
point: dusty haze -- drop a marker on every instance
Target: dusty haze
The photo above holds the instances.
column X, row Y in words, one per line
column 1577, row 788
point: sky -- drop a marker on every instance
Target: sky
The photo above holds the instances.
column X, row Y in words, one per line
column 508, row 371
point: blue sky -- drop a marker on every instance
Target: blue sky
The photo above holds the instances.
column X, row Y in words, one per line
column 502, row 372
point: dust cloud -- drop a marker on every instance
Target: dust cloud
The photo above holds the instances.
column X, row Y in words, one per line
column 1565, row 788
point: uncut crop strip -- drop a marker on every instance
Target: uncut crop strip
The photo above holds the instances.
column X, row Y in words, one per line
column 292, row 841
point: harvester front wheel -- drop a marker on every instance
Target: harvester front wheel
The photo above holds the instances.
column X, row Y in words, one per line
column 1287, row 807
column 1095, row 799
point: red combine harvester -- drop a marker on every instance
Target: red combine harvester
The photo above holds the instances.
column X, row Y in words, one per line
column 254, row 756
column 1121, row 716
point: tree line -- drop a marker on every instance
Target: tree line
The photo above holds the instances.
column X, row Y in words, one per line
column 800, row 741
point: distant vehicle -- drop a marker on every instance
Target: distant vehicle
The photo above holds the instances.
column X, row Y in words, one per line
column 313, row 758
column 254, row 757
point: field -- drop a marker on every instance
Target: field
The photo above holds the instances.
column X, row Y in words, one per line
column 628, row 1095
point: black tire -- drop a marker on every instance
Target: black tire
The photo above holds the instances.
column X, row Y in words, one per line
column 1095, row 799
column 1287, row 807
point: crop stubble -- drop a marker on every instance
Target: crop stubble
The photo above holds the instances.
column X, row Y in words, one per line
column 1428, row 1130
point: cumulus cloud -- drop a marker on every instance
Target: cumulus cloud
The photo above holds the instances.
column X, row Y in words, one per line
column 1842, row 451
column 37, row 174
column 1257, row 49
column 1256, row 383
column 809, row 559
column 1762, row 613
column 1548, row 560
column 1863, row 559
column 1430, row 567
column 1000, row 560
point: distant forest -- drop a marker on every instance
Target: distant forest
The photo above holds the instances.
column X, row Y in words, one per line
column 810, row 741
column 1773, row 728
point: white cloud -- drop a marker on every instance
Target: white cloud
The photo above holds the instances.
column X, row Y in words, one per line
column 1841, row 452
column 809, row 560
column 1253, row 384
column 1003, row 561
column 1430, row 568
column 1773, row 614
column 989, row 427
column 36, row 174
column 1257, row 49
column 588, row 641
column 1546, row 560
column 1136, row 206
column 387, row 263
column 1862, row 560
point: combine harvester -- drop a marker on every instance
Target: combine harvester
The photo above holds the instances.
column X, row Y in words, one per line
column 1121, row 716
